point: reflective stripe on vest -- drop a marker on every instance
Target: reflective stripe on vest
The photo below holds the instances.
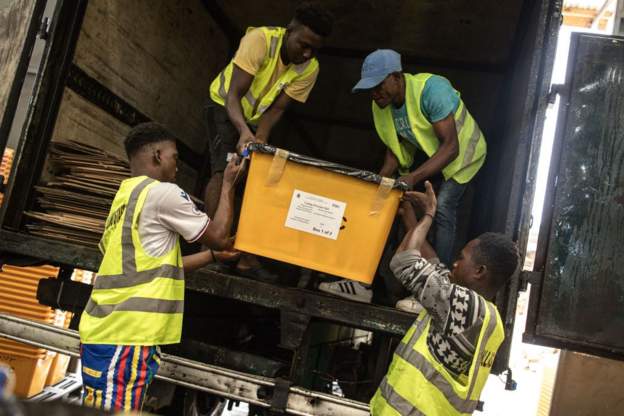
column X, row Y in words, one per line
column 396, row 401
column 115, row 281
column 472, row 145
column 130, row 285
column 389, row 401
column 261, row 94
column 136, row 305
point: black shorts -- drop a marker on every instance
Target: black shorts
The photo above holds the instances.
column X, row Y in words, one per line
column 222, row 137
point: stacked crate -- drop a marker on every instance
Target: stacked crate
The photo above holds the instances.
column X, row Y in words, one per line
column 5, row 166
column 18, row 290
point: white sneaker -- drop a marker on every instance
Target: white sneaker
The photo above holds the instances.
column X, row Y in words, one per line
column 348, row 289
column 409, row 304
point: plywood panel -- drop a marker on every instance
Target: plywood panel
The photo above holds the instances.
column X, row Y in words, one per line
column 587, row 385
column 158, row 55
column 80, row 120
column 14, row 21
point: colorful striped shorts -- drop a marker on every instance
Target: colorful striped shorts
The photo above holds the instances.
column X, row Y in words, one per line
column 116, row 377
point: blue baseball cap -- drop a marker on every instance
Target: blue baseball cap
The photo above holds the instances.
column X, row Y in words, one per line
column 376, row 67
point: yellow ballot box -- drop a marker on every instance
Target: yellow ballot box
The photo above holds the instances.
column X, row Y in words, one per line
column 316, row 214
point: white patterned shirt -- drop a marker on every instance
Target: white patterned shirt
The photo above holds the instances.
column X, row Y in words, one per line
column 456, row 312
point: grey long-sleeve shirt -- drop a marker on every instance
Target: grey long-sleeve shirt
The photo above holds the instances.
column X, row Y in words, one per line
column 456, row 312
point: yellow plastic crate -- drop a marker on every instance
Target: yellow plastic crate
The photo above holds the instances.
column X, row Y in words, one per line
column 18, row 289
column 30, row 372
column 302, row 194
column 5, row 167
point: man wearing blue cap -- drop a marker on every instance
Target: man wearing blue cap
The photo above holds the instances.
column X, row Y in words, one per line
column 423, row 112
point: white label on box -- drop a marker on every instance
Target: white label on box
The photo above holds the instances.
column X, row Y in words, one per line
column 315, row 214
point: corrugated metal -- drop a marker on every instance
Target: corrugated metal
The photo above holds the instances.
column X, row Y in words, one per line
column 584, row 4
column 18, row 295
column 7, row 160
column 546, row 392
column 5, row 166
column 17, row 349
column 18, row 291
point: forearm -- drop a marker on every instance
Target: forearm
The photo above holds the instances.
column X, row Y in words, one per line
column 221, row 225
column 197, row 260
column 234, row 110
column 390, row 165
column 410, row 221
column 267, row 121
column 441, row 159
column 428, row 252
column 408, row 215
column 428, row 282
column 415, row 237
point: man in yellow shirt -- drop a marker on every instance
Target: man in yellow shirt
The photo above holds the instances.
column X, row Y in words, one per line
column 272, row 67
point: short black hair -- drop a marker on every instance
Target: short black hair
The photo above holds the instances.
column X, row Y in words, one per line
column 144, row 134
column 499, row 254
column 316, row 17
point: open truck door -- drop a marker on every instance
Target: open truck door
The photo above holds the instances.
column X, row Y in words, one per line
column 19, row 23
column 577, row 289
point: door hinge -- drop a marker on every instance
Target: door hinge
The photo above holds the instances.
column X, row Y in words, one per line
column 555, row 89
column 527, row 277
column 44, row 29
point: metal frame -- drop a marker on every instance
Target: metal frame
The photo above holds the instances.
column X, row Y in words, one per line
column 231, row 384
column 59, row 391
column 530, row 335
column 20, row 73
column 307, row 302
column 32, row 151
column 618, row 27
column 518, row 217
column 300, row 301
column 42, row 249
column 224, row 357
column 537, row 277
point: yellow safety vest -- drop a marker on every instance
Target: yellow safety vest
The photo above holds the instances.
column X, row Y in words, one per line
column 261, row 95
column 472, row 146
column 418, row 384
column 137, row 299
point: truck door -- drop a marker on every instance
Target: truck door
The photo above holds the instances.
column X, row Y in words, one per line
column 577, row 289
column 19, row 23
